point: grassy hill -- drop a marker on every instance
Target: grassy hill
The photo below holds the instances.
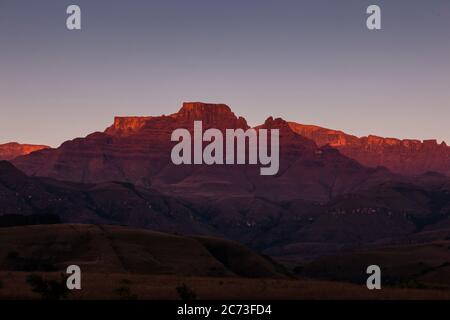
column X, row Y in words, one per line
column 115, row 249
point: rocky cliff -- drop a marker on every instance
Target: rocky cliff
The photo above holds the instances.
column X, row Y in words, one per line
column 12, row 150
column 409, row 157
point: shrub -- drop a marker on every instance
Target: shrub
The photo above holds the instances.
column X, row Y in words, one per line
column 30, row 264
column 186, row 293
column 299, row 270
column 48, row 289
column 125, row 293
column 13, row 255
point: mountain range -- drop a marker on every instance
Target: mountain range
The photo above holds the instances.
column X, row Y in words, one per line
column 106, row 154
column 327, row 197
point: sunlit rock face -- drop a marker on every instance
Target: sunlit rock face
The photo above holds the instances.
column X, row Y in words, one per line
column 409, row 157
column 12, row 150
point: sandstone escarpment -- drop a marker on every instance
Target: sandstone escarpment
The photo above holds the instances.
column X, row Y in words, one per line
column 12, row 150
column 408, row 156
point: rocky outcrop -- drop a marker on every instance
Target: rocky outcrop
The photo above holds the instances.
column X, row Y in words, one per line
column 219, row 116
column 12, row 150
column 126, row 125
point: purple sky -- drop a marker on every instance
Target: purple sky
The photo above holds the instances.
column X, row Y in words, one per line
column 311, row 61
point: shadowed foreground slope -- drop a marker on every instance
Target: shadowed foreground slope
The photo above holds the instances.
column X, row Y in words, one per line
column 114, row 249
column 123, row 263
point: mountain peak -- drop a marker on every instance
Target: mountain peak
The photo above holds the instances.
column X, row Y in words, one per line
column 207, row 111
column 198, row 107
column 9, row 151
column 126, row 125
column 210, row 113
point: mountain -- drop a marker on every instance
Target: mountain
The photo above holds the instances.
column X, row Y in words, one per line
column 12, row 150
column 408, row 157
column 133, row 149
column 137, row 150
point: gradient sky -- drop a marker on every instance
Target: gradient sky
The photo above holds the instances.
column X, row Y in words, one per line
column 310, row 61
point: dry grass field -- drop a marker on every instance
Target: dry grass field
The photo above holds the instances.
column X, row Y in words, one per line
column 150, row 287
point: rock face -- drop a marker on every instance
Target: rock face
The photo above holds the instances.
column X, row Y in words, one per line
column 409, row 157
column 12, row 150
column 126, row 125
column 218, row 115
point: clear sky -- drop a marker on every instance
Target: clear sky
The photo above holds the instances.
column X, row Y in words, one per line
column 312, row 62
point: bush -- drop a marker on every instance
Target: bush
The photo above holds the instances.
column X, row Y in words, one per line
column 48, row 289
column 18, row 263
column 125, row 293
column 186, row 293
column 298, row 270
column 13, row 255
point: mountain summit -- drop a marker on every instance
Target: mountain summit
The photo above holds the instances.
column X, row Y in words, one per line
column 12, row 150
